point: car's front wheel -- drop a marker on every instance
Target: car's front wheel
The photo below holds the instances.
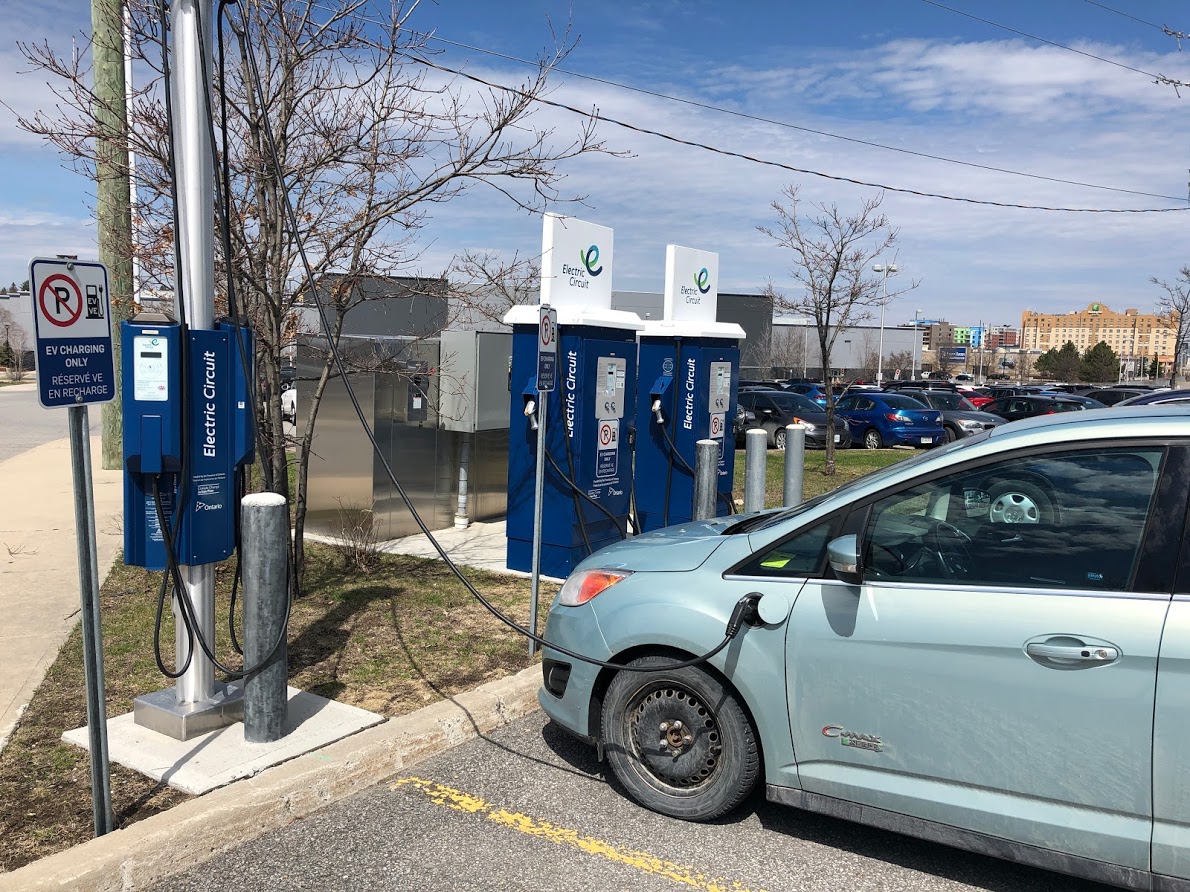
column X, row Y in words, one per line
column 679, row 741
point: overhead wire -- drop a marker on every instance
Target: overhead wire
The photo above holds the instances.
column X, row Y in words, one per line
column 776, row 122
column 1157, row 78
column 1165, row 29
column 594, row 114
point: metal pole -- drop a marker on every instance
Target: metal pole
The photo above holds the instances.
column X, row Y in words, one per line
column 913, row 369
column 706, row 478
column 795, row 464
column 195, row 173
column 264, row 525
column 880, row 350
column 462, row 520
column 90, row 625
column 756, row 445
column 538, row 506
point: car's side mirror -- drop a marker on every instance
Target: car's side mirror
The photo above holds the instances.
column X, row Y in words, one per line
column 843, row 553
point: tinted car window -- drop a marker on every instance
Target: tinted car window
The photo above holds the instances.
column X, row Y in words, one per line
column 793, row 402
column 1068, row 520
column 943, row 400
column 847, row 403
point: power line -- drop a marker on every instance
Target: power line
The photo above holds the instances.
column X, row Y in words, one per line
column 1061, row 46
column 595, row 115
column 1165, row 29
column 778, row 123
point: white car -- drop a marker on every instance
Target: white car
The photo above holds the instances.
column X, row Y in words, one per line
column 289, row 405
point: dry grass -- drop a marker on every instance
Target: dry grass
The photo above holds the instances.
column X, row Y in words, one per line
column 390, row 641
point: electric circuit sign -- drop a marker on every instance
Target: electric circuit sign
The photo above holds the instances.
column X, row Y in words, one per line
column 73, row 330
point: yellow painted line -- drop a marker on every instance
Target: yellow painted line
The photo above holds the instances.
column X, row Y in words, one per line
column 457, row 800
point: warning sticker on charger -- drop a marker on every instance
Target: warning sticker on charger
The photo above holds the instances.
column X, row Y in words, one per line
column 607, row 452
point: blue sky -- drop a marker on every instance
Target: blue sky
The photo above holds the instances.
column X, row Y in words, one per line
column 904, row 73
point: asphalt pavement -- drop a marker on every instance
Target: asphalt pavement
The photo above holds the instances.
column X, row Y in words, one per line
column 24, row 424
column 529, row 808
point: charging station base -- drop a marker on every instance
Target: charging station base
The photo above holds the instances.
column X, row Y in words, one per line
column 161, row 712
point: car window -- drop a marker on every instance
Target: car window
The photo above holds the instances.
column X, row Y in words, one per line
column 1067, row 520
column 1064, row 406
column 901, row 401
column 847, row 403
column 800, row 555
column 795, row 402
column 864, row 404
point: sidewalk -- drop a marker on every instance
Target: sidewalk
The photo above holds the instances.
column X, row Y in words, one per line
column 39, row 583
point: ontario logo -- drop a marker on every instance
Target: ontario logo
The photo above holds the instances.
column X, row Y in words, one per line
column 703, row 281
column 590, row 259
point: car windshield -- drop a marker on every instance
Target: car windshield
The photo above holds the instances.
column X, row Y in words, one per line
column 900, row 401
column 794, row 402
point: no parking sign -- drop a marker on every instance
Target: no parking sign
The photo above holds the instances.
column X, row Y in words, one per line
column 73, row 329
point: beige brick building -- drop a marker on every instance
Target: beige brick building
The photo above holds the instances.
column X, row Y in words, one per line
column 1130, row 334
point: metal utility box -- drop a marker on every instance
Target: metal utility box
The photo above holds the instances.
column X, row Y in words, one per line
column 473, row 380
column 398, row 382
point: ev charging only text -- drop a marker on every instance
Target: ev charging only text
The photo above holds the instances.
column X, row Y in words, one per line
column 81, row 383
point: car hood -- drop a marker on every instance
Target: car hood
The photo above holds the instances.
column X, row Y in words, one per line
column 674, row 549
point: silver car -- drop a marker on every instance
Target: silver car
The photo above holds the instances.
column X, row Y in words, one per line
column 987, row 645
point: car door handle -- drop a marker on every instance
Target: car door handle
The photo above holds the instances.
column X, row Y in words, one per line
column 1082, row 653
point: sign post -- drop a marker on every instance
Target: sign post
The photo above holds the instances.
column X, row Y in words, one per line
column 72, row 326
column 547, row 380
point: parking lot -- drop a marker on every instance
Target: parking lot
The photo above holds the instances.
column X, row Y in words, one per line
column 531, row 809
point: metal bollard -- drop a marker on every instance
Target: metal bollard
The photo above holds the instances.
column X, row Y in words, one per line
column 756, row 449
column 265, row 563
column 706, row 478
column 795, row 464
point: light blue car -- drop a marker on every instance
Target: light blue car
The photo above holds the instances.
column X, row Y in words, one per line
column 987, row 645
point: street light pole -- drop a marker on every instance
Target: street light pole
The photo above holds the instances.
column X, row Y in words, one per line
column 916, row 313
column 881, row 268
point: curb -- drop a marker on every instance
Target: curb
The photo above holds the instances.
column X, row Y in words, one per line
column 185, row 836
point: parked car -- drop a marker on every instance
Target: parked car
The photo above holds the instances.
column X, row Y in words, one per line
column 816, row 392
column 774, row 409
column 891, row 419
column 289, row 405
column 959, row 418
column 901, row 386
column 980, row 646
column 1109, row 396
column 744, row 420
column 1027, row 405
column 1087, row 402
column 1159, row 397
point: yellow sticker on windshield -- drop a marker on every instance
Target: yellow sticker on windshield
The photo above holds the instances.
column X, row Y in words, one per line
column 776, row 562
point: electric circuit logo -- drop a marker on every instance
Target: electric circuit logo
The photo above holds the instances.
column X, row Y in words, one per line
column 703, row 281
column 590, row 258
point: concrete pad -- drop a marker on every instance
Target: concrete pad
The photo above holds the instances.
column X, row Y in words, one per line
column 136, row 857
column 220, row 757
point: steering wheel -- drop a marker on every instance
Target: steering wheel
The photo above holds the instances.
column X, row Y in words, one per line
column 949, row 546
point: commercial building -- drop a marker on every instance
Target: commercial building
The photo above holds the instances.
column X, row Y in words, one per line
column 1134, row 336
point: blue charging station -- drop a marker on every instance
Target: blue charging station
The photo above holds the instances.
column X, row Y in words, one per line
column 586, row 438
column 686, row 393
column 689, row 371
column 208, row 443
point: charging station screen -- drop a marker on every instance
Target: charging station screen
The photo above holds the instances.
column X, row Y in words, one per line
column 150, row 370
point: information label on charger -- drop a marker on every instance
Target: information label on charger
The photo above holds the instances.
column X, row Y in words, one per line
column 607, row 452
column 73, row 330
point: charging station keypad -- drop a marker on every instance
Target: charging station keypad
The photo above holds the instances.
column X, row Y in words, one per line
column 720, row 396
column 611, row 372
column 150, row 370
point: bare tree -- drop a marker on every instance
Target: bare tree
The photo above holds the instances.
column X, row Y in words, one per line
column 1175, row 307
column 352, row 124
column 788, row 349
column 832, row 253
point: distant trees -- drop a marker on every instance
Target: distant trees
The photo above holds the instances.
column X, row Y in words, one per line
column 1175, row 307
column 1098, row 363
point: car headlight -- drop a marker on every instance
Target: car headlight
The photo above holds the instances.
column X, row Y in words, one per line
column 970, row 425
column 809, row 427
column 579, row 588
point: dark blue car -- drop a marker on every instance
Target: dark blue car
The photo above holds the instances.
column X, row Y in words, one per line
column 891, row 419
column 815, row 392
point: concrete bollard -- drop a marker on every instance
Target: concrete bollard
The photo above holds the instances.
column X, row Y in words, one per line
column 756, row 450
column 795, row 464
column 264, row 560
column 706, row 478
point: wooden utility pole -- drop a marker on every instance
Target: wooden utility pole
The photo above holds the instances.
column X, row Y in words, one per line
column 113, row 206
